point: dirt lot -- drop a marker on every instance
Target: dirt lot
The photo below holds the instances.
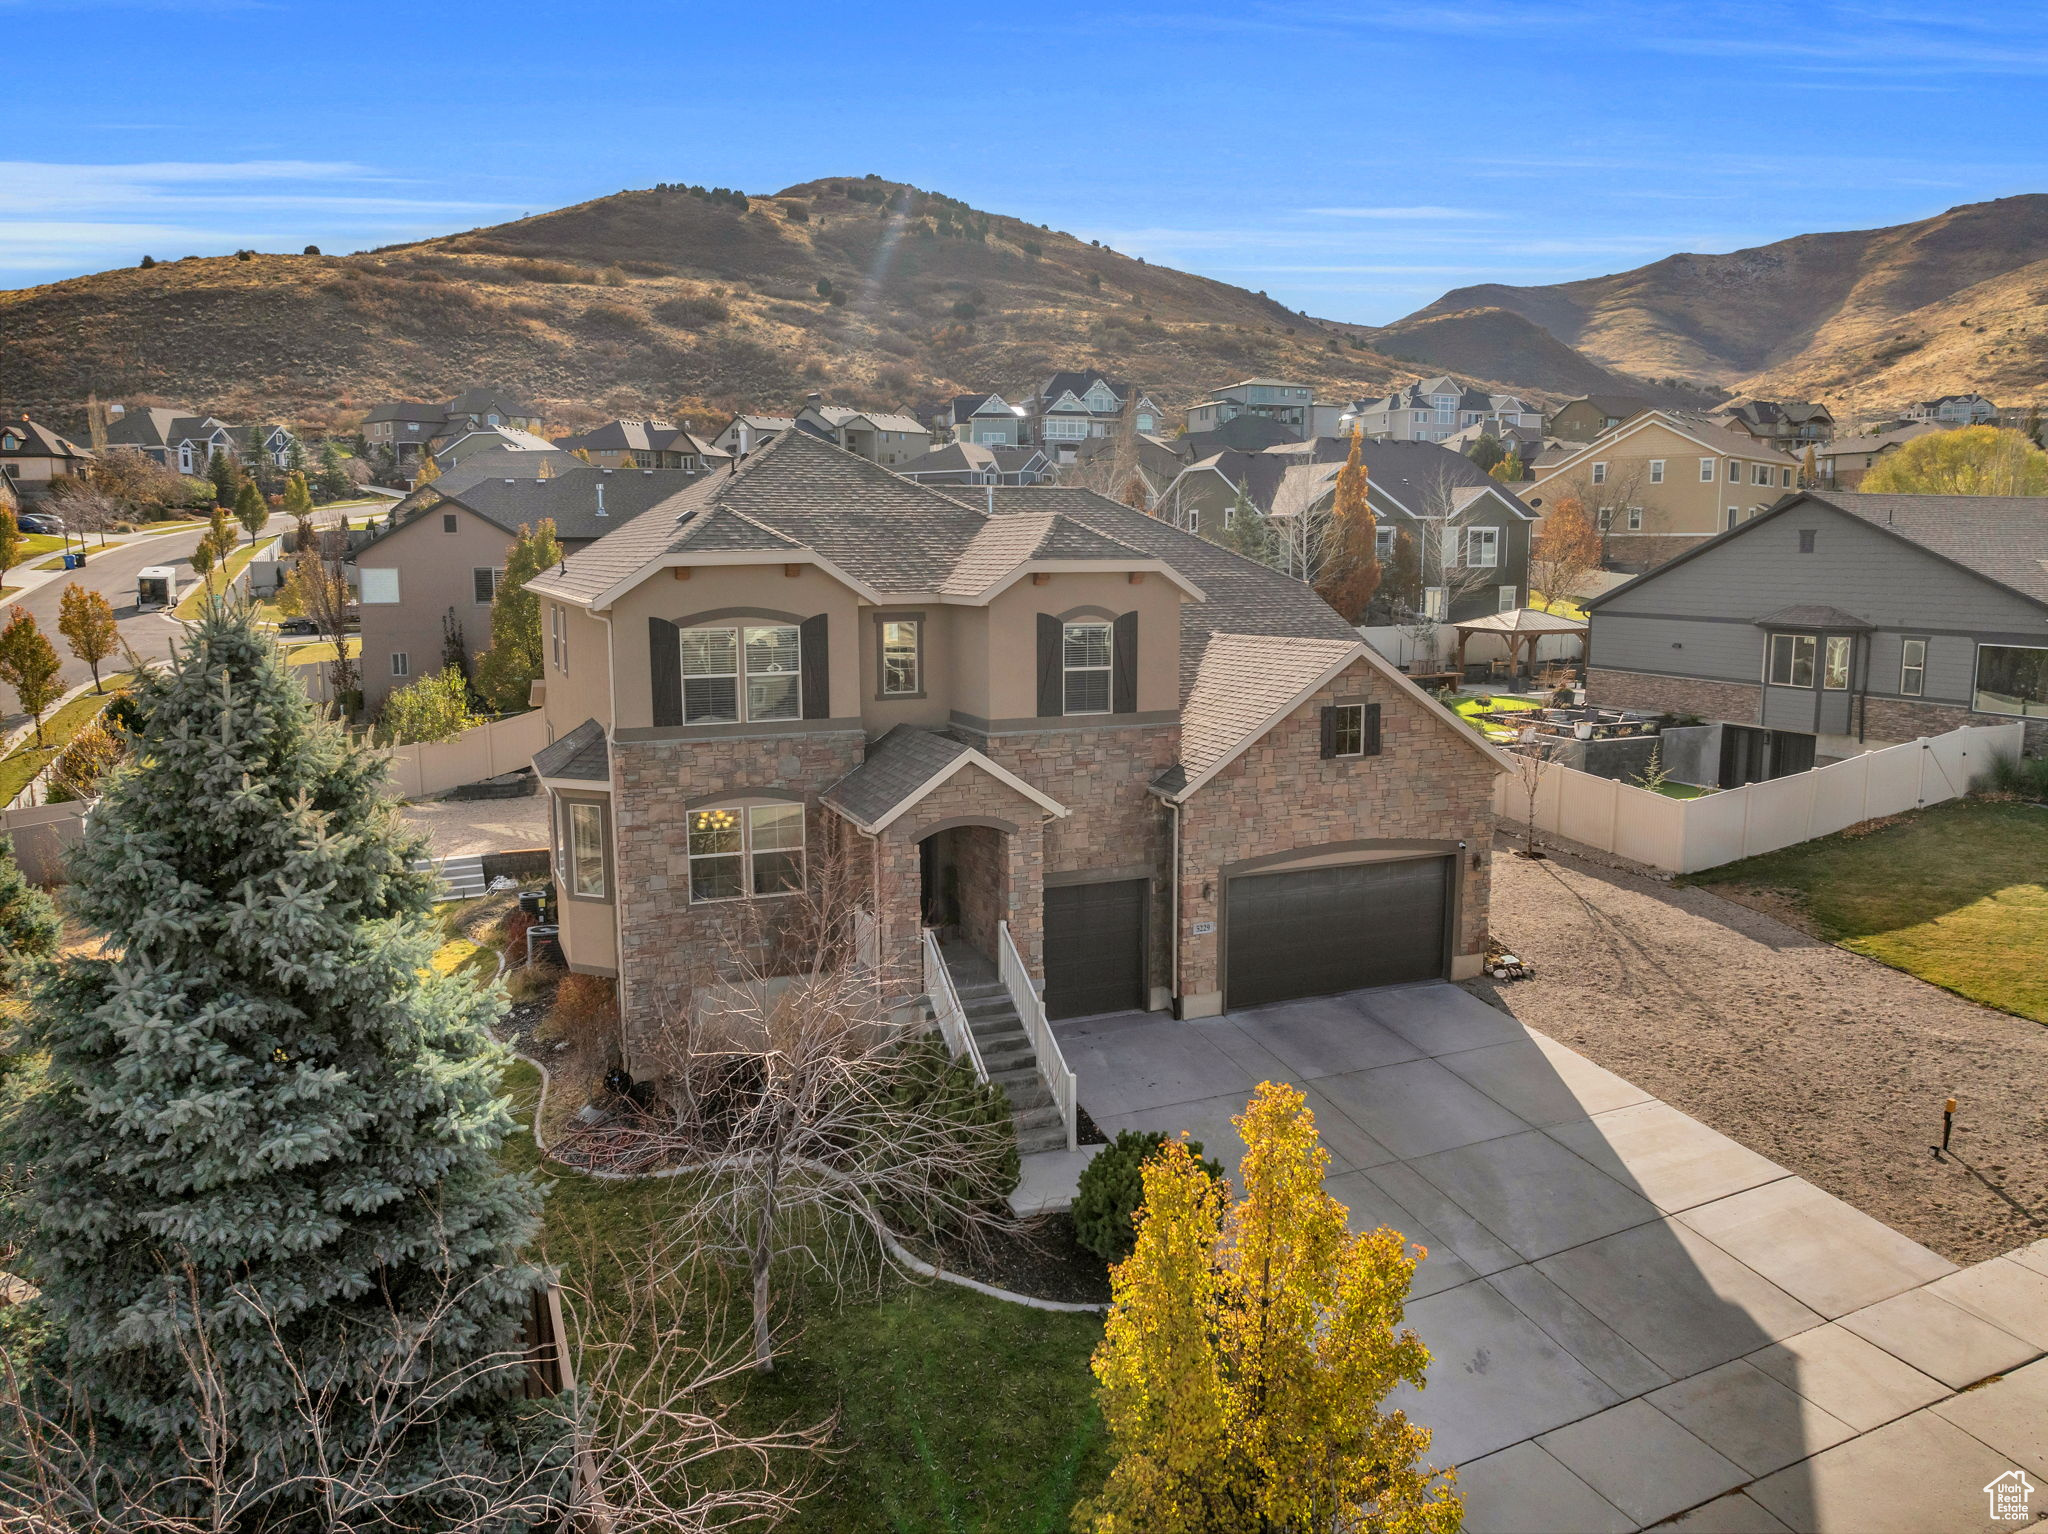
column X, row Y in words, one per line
column 1827, row 1062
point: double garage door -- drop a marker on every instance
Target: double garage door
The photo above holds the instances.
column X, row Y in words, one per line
column 1307, row 933
column 1334, row 929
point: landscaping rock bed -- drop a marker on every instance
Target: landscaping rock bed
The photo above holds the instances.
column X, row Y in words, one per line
column 1041, row 1259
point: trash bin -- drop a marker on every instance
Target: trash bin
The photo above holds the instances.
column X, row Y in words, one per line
column 71, row 561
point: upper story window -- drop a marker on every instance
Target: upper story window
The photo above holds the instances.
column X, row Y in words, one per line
column 1656, row 471
column 1383, row 542
column 1834, row 673
column 558, row 636
column 1599, row 473
column 1084, row 667
column 1912, row 667
column 484, row 584
column 746, row 673
column 1351, row 729
column 746, row 849
column 1056, row 430
column 9, row 443
column 1761, row 473
column 902, row 658
column 1792, row 659
column 1706, row 469
column 1482, row 547
column 1734, row 472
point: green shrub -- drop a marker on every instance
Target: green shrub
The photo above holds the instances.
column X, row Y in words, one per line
column 1112, row 1188
column 2024, row 777
column 931, row 1076
column 692, row 313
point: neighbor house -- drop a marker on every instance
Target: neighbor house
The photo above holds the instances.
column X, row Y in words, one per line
column 1435, row 409
column 1953, row 410
column 972, row 463
column 426, row 585
column 1664, row 481
column 459, row 444
column 1068, row 408
column 988, row 419
column 648, row 444
column 1592, row 415
column 880, row 437
column 1292, row 407
column 1836, row 623
column 1843, row 462
column 32, row 458
column 1069, row 740
column 743, row 433
column 177, row 437
column 1790, row 424
column 404, row 428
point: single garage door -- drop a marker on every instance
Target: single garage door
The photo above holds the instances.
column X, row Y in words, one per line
column 1335, row 929
column 1094, row 948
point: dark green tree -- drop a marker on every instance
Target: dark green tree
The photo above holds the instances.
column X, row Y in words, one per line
column 264, row 1205
column 1486, row 452
column 332, row 483
column 29, row 926
column 251, row 510
column 220, row 468
column 511, row 666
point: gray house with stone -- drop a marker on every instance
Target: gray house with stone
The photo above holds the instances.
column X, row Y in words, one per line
column 1835, row 623
column 1033, row 724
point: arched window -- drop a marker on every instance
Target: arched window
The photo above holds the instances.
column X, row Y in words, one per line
column 743, row 848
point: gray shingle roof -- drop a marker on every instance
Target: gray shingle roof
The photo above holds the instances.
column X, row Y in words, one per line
column 1244, row 679
column 582, row 754
column 2003, row 537
column 572, row 498
column 1811, row 615
column 897, row 766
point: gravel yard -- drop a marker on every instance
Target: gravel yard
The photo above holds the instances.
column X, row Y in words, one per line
column 1826, row 1062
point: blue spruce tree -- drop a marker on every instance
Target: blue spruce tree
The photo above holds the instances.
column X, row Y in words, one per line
column 267, row 1132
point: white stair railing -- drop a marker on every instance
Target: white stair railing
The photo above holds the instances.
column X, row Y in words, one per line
column 1052, row 1065
column 946, row 1008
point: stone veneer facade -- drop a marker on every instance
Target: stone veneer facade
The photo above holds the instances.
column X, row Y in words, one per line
column 1425, row 785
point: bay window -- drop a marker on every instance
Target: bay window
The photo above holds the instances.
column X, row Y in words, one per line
column 1791, row 660
column 586, row 846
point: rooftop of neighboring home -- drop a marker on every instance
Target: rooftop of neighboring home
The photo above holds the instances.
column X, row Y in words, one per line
column 584, row 503
column 1878, row 441
column 1768, row 413
column 1423, row 394
column 504, row 439
column 1715, row 435
column 1243, row 433
column 161, row 425
column 763, row 423
column 966, row 406
column 407, row 410
column 26, row 438
column 648, row 436
column 841, row 416
column 1618, row 407
column 1078, row 384
column 486, row 400
column 974, row 458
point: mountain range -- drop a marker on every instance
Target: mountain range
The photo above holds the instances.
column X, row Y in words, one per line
column 694, row 300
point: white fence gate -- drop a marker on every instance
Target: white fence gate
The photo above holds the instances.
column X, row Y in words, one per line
column 1686, row 835
column 503, row 745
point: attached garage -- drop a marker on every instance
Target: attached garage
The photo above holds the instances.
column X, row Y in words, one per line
column 1094, row 948
column 1315, row 931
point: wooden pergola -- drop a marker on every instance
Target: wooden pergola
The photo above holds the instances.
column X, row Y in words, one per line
column 1525, row 625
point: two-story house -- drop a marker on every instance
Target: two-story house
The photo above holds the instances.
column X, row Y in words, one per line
column 973, row 463
column 177, row 437
column 1836, row 623
column 1435, row 409
column 405, row 428
column 426, row 585
column 743, row 433
column 1664, row 481
column 1593, row 415
column 1843, row 462
column 649, row 444
column 890, row 440
column 1144, row 771
column 32, row 458
column 986, row 419
column 1789, row 424
column 1290, row 406
column 1068, row 408
column 1953, row 410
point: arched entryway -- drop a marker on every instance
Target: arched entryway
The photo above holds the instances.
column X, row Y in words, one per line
column 964, row 881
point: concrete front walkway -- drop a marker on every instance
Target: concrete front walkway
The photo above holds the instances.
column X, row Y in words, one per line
column 1631, row 1316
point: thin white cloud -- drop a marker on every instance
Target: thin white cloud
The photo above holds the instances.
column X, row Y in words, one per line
column 39, row 188
column 1424, row 212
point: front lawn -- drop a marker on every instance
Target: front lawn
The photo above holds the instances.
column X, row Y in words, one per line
column 956, row 1412
column 20, row 766
column 319, row 650
column 220, row 578
column 1953, row 893
column 1673, row 790
column 1471, row 710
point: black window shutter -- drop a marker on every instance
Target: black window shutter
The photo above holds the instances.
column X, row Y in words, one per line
column 1372, row 729
column 1123, row 665
column 665, row 669
column 815, row 657
column 1329, row 732
column 1051, row 698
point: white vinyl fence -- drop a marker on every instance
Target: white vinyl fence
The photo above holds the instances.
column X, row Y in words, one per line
column 1686, row 835
column 503, row 745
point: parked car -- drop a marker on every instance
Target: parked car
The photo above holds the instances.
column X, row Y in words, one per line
column 297, row 626
column 40, row 522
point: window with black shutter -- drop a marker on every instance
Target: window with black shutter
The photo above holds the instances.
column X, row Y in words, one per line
column 1123, row 659
column 1351, row 729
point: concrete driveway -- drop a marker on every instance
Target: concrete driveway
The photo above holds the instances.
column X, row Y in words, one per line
column 1632, row 1317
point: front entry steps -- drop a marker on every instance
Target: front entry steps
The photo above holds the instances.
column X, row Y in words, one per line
column 1005, row 1049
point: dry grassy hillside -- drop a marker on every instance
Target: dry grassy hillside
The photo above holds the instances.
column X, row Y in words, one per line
column 666, row 299
column 1828, row 314
column 1503, row 344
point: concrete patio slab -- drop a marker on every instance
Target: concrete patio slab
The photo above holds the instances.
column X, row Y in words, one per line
column 1209, row 1120
column 1940, row 1339
column 1474, row 1243
column 1919, row 1475
column 1418, row 1108
column 1533, row 1193
column 1847, row 1376
column 1048, row 1180
column 1324, row 1037
column 2009, row 1415
column 1542, row 1082
column 1815, row 1247
column 1440, row 1019
column 1369, row 1207
column 1133, row 1066
column 1578, row 1331
column 1642, row 1461
column 1674, row 1161
column 1744, row 1415
column 1679, row 1299
column 2011, row 1297
column 1732, row 1514
column 1524, row 1490
column 2034, row 1257
column 1494, row 1378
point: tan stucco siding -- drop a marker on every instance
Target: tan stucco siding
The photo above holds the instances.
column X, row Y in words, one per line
column 436, row 580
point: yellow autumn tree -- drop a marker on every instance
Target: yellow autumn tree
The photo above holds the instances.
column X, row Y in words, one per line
column 429, row 470
column 1348, row 573
column 1970, row 460
column 1809, row 469
column 1249, row 1351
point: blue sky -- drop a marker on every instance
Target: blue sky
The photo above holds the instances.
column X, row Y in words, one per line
column 1354, row 159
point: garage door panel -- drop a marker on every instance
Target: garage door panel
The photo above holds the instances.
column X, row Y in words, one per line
column 1094, row 948
column 1321, row 930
